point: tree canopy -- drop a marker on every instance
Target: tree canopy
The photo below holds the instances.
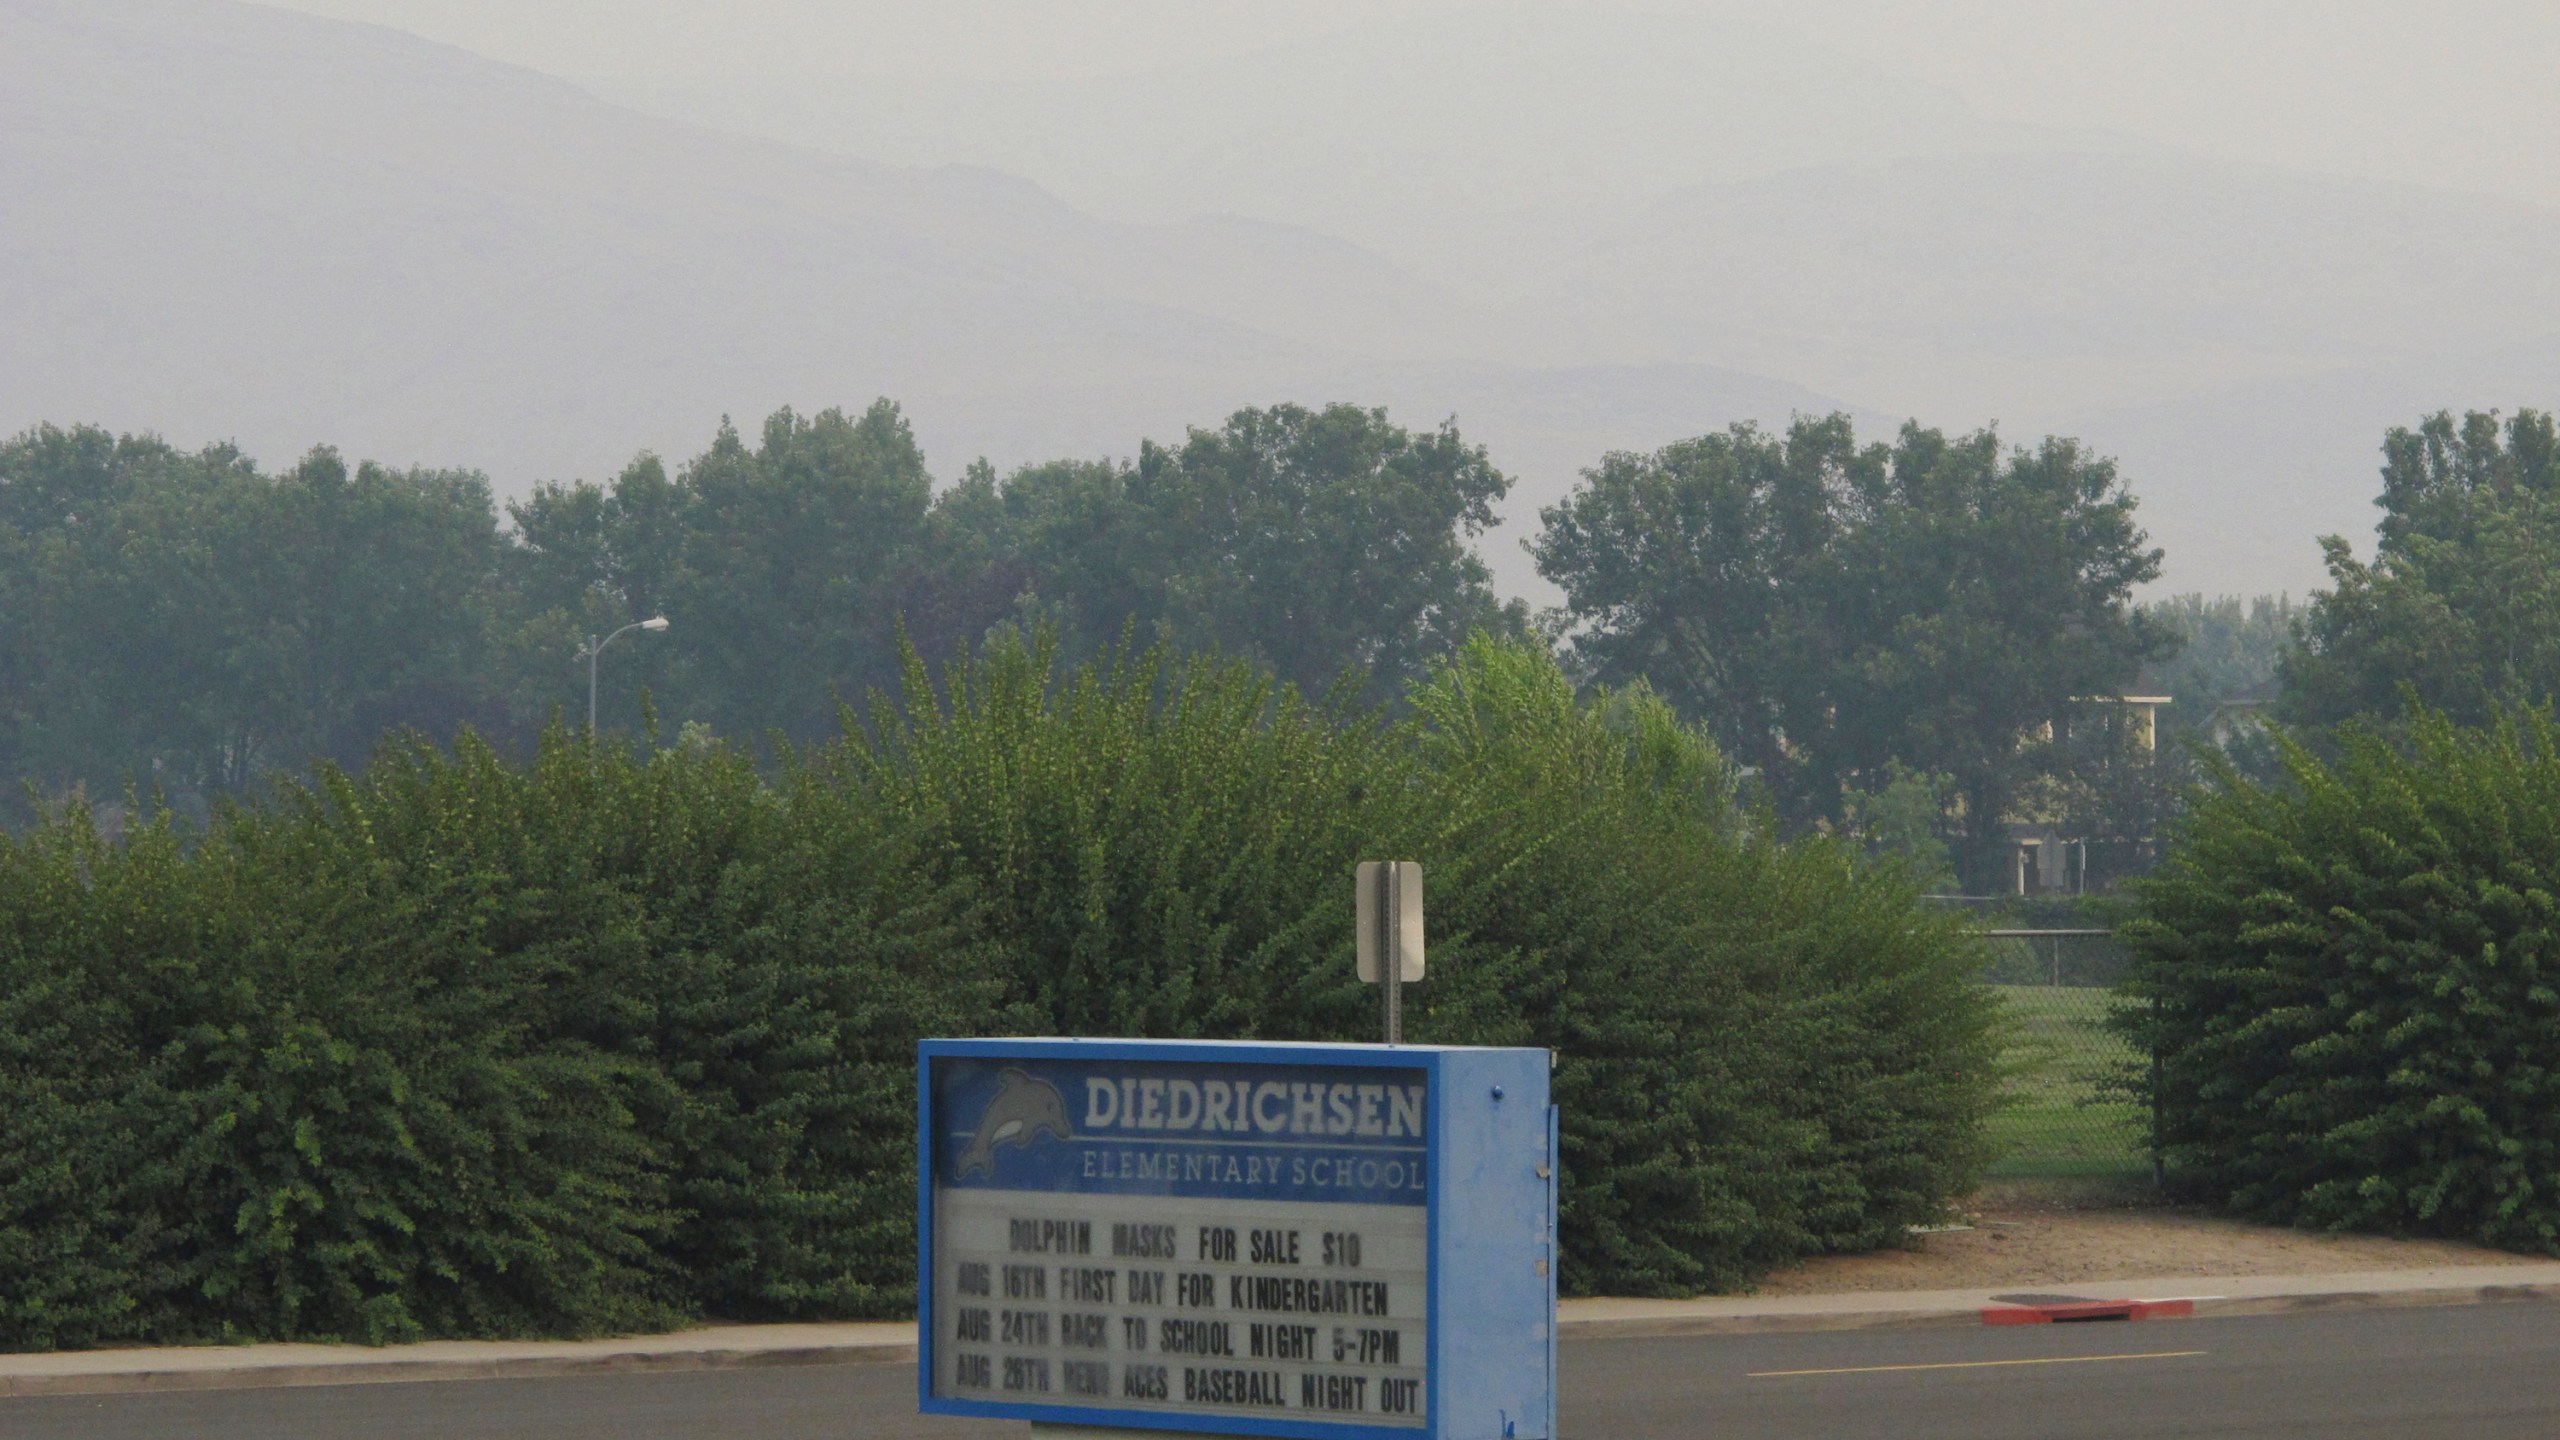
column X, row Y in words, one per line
column 187, row 621
column 2229, row 651
column 2461, row 602
column 783, row 559
column 1320, row 541
column 1829, row 609
column 183, row 619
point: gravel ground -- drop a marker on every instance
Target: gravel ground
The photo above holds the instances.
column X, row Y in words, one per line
column 2020, row 1238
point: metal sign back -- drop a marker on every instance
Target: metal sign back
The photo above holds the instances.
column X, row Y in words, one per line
column 1390, row 888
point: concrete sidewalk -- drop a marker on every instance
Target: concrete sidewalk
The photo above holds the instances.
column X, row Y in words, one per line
column 101, row 1372
column 2212, row 1295
column 226, row 1367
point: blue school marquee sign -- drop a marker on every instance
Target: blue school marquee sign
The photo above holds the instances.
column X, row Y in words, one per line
column 1347, row 1241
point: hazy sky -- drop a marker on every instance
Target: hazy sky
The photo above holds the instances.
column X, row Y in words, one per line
column 2451, row 92
column 1576, row 225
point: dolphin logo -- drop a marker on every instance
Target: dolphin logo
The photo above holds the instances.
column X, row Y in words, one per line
column 1024, row 1107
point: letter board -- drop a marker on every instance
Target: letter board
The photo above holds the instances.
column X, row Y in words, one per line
column 1346, row 1241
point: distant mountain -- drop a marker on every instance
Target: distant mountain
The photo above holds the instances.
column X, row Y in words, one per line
column 2028, row 287
column 226, row 221
column 2238, row 337
column 1456, row 140
column 2239, row 483
column 1650, row 197
column 233, row 222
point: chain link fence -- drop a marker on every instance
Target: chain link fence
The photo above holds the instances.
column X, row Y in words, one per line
column 2073, row 1110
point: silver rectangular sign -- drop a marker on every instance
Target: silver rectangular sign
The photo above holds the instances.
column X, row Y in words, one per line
column 1392, row 888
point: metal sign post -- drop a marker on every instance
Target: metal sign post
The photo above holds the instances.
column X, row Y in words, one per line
column 1389, row 914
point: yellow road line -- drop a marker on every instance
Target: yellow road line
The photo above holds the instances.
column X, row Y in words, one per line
column 1973, row 1364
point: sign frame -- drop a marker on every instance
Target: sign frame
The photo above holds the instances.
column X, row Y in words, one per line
column 1490, row 1226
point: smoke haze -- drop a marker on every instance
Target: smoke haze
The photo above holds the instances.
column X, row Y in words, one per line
column 2228, row 244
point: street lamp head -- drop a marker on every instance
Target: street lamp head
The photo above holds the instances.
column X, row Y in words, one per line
column 654, row 622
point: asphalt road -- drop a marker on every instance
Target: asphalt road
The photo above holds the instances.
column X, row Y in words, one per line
column 2486, row 1370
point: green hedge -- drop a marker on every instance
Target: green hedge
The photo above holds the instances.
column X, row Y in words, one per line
column 453, row 1047
column 2353, row 974
column 1764, row 1050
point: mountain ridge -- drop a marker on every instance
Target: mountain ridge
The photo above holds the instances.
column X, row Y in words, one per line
column 254, row 224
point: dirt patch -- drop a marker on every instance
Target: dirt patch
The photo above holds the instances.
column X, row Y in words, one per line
column 2020, row 1239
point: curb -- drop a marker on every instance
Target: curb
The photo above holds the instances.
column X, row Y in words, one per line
column 151, row 1371
column 1663, row 1326
column 1991, row 1311
column 2374, row 1299
column 2069, row 1312
column 127, row 1372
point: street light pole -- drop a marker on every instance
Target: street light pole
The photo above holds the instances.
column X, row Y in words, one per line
column 595, row 648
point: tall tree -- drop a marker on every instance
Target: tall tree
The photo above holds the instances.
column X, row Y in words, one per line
column 1686, row 568
column 184, row 620
column 1323, row 540
column 351, row 602
column 1830, row 609
column 2229, row 649
column 778, row 564
column 1319, row 541
column 2461, row 602
column 789, row 554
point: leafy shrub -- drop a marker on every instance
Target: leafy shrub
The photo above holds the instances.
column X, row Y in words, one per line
column 1764, row 1050
column 452, row 1049
column 1162, row 850
column 2353, row 976
column 455, row 1047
